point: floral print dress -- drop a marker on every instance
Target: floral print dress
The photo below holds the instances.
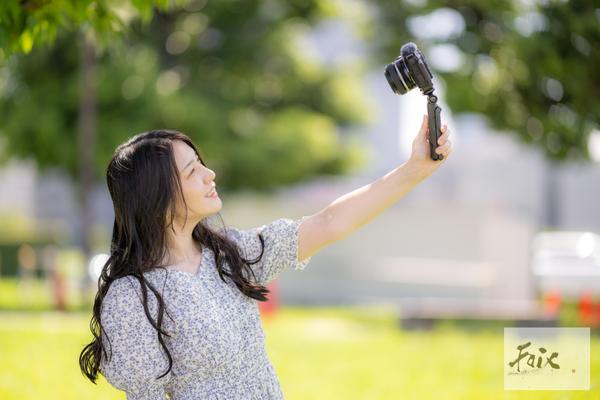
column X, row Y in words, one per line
column 217, row 341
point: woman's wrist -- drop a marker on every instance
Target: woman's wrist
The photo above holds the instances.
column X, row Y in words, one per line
column 416, row 170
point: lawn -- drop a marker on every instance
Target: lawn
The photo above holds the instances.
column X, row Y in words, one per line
column 318, row 354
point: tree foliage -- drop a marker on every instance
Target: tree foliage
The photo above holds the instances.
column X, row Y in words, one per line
column 530, row 69
column 24, row 23
column 232, row 75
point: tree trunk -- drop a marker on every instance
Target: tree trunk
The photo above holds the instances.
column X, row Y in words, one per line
column 86, row 143
column 552, row 189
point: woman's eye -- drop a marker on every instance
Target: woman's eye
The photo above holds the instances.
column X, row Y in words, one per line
column 193, row 169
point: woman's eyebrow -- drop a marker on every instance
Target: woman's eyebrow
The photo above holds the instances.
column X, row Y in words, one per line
column 188, row 164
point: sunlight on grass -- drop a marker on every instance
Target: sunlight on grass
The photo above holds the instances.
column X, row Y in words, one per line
column 318, row 353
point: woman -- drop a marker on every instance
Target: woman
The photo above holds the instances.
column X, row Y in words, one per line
column 176, row 310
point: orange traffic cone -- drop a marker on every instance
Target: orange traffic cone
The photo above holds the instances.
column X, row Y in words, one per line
column 552, row 302
column 597, row 314
column 269, row 307
column 585, row 309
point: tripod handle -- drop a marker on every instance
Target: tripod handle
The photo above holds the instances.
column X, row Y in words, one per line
column 434, row 119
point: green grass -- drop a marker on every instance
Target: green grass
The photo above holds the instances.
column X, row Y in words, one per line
column 36, row 295
column 317, row 353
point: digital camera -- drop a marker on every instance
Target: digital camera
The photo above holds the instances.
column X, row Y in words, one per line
column 409, row 70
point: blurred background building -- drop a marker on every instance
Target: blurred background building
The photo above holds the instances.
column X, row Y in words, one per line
column 466, row 233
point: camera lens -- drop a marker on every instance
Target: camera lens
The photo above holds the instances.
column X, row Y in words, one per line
column 398, row 76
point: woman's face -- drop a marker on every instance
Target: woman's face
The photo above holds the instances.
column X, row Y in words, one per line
column 197, row 182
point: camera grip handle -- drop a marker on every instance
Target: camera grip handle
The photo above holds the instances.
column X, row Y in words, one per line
column 434, row 119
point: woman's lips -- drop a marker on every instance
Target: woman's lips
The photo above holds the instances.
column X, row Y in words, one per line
column 213, row 193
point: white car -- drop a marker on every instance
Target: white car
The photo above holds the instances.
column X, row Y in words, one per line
column 567, row 262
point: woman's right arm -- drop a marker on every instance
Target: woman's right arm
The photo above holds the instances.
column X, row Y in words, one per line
column 135, row 357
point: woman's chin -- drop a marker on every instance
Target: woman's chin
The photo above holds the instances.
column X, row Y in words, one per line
column 217, row 204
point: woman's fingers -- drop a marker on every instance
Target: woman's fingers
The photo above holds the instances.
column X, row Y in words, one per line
column 444, row 145
column 445, row 148
column 445, row 134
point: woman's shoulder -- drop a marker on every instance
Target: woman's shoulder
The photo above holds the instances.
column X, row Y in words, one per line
column 121, row 294
column 276, row 242
column 277, row 226
column 126, row 292
column 124, row 286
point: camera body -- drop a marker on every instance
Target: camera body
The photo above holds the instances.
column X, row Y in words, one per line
column 409, row 70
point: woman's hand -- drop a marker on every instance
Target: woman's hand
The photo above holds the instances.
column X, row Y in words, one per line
column 420, row 159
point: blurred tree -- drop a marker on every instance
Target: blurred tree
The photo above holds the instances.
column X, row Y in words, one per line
column 25, row 23
column 529, row 67
column 233, row 75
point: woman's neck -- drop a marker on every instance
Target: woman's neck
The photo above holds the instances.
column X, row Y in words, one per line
column 181, row 247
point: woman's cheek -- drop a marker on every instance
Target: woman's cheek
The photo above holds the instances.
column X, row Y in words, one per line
column 198, row 196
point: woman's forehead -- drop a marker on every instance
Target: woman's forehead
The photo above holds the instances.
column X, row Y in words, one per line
column 183, row 154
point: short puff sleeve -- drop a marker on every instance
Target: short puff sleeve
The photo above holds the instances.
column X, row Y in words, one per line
column 135, row 356
column 280, row 247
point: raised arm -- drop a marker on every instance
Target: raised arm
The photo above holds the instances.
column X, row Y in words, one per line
column 352, row 210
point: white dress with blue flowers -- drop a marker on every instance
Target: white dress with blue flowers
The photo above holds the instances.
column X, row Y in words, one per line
column 217, row 341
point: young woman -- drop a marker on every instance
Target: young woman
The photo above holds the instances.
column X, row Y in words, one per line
column 176, row 311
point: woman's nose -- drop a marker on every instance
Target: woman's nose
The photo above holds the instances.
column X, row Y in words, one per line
column 210, row 176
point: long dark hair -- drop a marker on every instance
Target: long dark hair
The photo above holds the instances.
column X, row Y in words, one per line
column 144, row 185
